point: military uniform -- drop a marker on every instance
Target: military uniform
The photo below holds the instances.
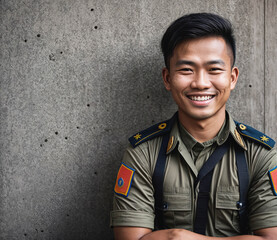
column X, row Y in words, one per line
column 134, row 205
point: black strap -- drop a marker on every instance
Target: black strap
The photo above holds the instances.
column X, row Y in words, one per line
column 205, row 177
column 157, row 179
column 201, row 217
column 213, row 160
column 243, row 177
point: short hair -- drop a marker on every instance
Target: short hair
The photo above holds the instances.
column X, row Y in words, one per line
column 197, row 25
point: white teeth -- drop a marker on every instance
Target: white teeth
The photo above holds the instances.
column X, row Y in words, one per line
column 200, row 98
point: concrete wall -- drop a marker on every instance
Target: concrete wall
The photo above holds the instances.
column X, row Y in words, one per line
column 78, row 78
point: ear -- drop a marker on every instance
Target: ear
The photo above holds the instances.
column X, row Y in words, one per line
column 234, row 77
column 166, row 78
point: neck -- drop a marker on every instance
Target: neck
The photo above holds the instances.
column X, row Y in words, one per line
column 203, row 129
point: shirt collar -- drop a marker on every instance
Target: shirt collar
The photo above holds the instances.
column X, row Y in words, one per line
column 186, row 137
column 179, row 133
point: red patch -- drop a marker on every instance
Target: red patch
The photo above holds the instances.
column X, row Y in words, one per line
column 124, row 180
column 273, row 178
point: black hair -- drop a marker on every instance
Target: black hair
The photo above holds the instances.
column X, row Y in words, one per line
column 197, row 25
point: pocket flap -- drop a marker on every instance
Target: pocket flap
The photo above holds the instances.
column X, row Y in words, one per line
column 227, row 200
column 178, row 202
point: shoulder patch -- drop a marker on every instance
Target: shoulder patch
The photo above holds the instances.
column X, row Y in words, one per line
column 273, row 177
column 124, row 180
column 255, row 135
column 156, row 130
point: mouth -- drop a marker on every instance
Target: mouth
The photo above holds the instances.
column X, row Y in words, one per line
column 200, row 98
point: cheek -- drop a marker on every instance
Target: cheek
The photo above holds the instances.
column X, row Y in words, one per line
column 180, row 83
column 222, row 84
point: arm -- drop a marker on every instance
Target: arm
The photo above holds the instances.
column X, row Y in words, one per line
column 130, row 233
column 134, row 233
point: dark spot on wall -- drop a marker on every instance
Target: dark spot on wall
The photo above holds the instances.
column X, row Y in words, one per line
column 41, row 230
column 77, row 127
column 95, row 173
column 250, row 85
column 88, row 105
column 95, row 27
column 38, row 35
column 41, row 145
column 148, row 97
column 67, row 215
column 92, row 9
column 25, row 40
column 46, row 140
column 52, row 57
column 56, row 133
column 66, row 138
column 61, row 52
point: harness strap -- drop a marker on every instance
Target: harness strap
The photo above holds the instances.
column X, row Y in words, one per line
column 157, row 179
column 243, row 177
column 205, row 178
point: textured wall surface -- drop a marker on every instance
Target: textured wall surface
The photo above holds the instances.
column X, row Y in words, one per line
column 78, row 78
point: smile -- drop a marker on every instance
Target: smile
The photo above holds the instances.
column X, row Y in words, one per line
column 200, row 98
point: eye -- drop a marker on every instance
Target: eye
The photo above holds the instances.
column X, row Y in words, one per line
column 215, row 70
column 186, row 70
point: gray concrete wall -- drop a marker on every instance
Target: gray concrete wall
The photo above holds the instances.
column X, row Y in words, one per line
column 78, row 78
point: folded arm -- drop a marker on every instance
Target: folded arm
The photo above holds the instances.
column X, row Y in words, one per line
column 135, row 233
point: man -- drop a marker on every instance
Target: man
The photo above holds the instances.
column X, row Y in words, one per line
column 199, row 175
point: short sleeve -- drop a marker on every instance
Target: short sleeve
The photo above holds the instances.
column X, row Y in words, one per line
column 137, row 209
column 262, row 202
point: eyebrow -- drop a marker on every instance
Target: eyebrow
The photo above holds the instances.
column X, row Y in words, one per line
column 218, row 61
column 187, row 62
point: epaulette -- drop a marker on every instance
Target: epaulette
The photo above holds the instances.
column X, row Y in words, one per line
column 156, row 130
column 255, row 135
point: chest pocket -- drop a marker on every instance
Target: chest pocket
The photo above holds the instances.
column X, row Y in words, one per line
column 226, row 213
column 177, row 213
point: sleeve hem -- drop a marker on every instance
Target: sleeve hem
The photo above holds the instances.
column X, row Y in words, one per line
column 132, row 219
column 262, row 222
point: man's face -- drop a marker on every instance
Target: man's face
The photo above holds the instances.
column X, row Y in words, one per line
column 201, row 77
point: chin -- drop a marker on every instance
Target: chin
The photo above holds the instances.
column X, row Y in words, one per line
column 200, row 115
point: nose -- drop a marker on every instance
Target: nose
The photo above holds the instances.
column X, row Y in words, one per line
column 201, row 81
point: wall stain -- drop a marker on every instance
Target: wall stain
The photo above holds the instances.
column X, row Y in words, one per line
column 52, row 57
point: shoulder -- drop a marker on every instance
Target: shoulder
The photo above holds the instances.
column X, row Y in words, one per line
column 252, row 134
column 152, row 132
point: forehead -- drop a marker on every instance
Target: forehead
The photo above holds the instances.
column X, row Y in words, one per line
column 203, row 48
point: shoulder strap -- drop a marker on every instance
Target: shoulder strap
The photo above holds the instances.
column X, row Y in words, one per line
column 255, row 135
column 157, row 130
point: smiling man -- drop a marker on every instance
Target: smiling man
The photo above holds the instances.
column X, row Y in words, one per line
column 199, row 175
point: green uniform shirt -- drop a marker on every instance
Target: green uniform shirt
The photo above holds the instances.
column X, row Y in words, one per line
column 185, row 157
